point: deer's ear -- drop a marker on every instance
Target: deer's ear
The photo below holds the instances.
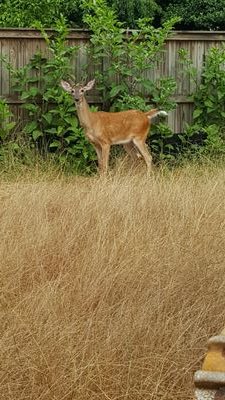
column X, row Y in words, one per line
column 66, row 86
column 89, row 85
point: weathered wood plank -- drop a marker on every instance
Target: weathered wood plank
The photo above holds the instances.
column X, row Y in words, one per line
column 198, row 35
column 27, row 33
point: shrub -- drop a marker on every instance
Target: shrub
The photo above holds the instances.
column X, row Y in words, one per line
column 126, row 58
column 208, row 97
column 129, row 11
column 20, row 13
column 201, row 14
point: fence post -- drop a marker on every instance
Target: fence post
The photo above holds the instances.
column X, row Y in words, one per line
column 210, row 380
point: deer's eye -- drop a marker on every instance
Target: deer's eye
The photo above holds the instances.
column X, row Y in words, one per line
column 82, row 90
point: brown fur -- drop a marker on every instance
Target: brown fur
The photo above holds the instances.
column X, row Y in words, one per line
column 112, row 128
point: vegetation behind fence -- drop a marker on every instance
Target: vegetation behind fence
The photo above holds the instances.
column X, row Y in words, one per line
column 19, row 45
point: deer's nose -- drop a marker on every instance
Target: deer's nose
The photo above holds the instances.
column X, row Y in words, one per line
column 75, row 95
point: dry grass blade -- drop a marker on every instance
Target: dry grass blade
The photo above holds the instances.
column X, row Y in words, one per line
column 110, row 287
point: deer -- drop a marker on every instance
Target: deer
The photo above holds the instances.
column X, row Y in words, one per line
column 104, row 129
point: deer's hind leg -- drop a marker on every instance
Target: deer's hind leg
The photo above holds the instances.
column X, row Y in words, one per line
column 131, row 150
column 142, row 147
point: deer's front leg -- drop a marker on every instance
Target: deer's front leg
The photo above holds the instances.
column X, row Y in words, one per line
column 105, row 157
column 98, row 150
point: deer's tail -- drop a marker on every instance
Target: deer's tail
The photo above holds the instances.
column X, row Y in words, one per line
column 153, row 113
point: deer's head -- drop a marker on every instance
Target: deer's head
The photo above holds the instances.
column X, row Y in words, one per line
column 77, row 91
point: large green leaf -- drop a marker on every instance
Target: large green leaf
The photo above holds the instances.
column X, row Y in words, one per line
column 55, row 143
column 31, row 126
column 47, row 117
column 72, row 121
column 197, row 113
column 36, row 134
column 116, row 90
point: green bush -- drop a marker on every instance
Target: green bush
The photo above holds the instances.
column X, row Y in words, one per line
column 202, row 14
column 209, row 102
column 127, row 58
column 129, row 11
column 21, row 13
column 196, row 15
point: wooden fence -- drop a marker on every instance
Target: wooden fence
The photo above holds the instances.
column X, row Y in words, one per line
column 18, row 45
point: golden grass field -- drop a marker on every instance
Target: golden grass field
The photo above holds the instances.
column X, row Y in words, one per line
column 110, row 287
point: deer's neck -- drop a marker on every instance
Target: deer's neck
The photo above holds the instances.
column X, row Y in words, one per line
column 84, row 113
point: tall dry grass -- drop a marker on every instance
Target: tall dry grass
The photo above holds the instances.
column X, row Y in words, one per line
column 110, row 287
